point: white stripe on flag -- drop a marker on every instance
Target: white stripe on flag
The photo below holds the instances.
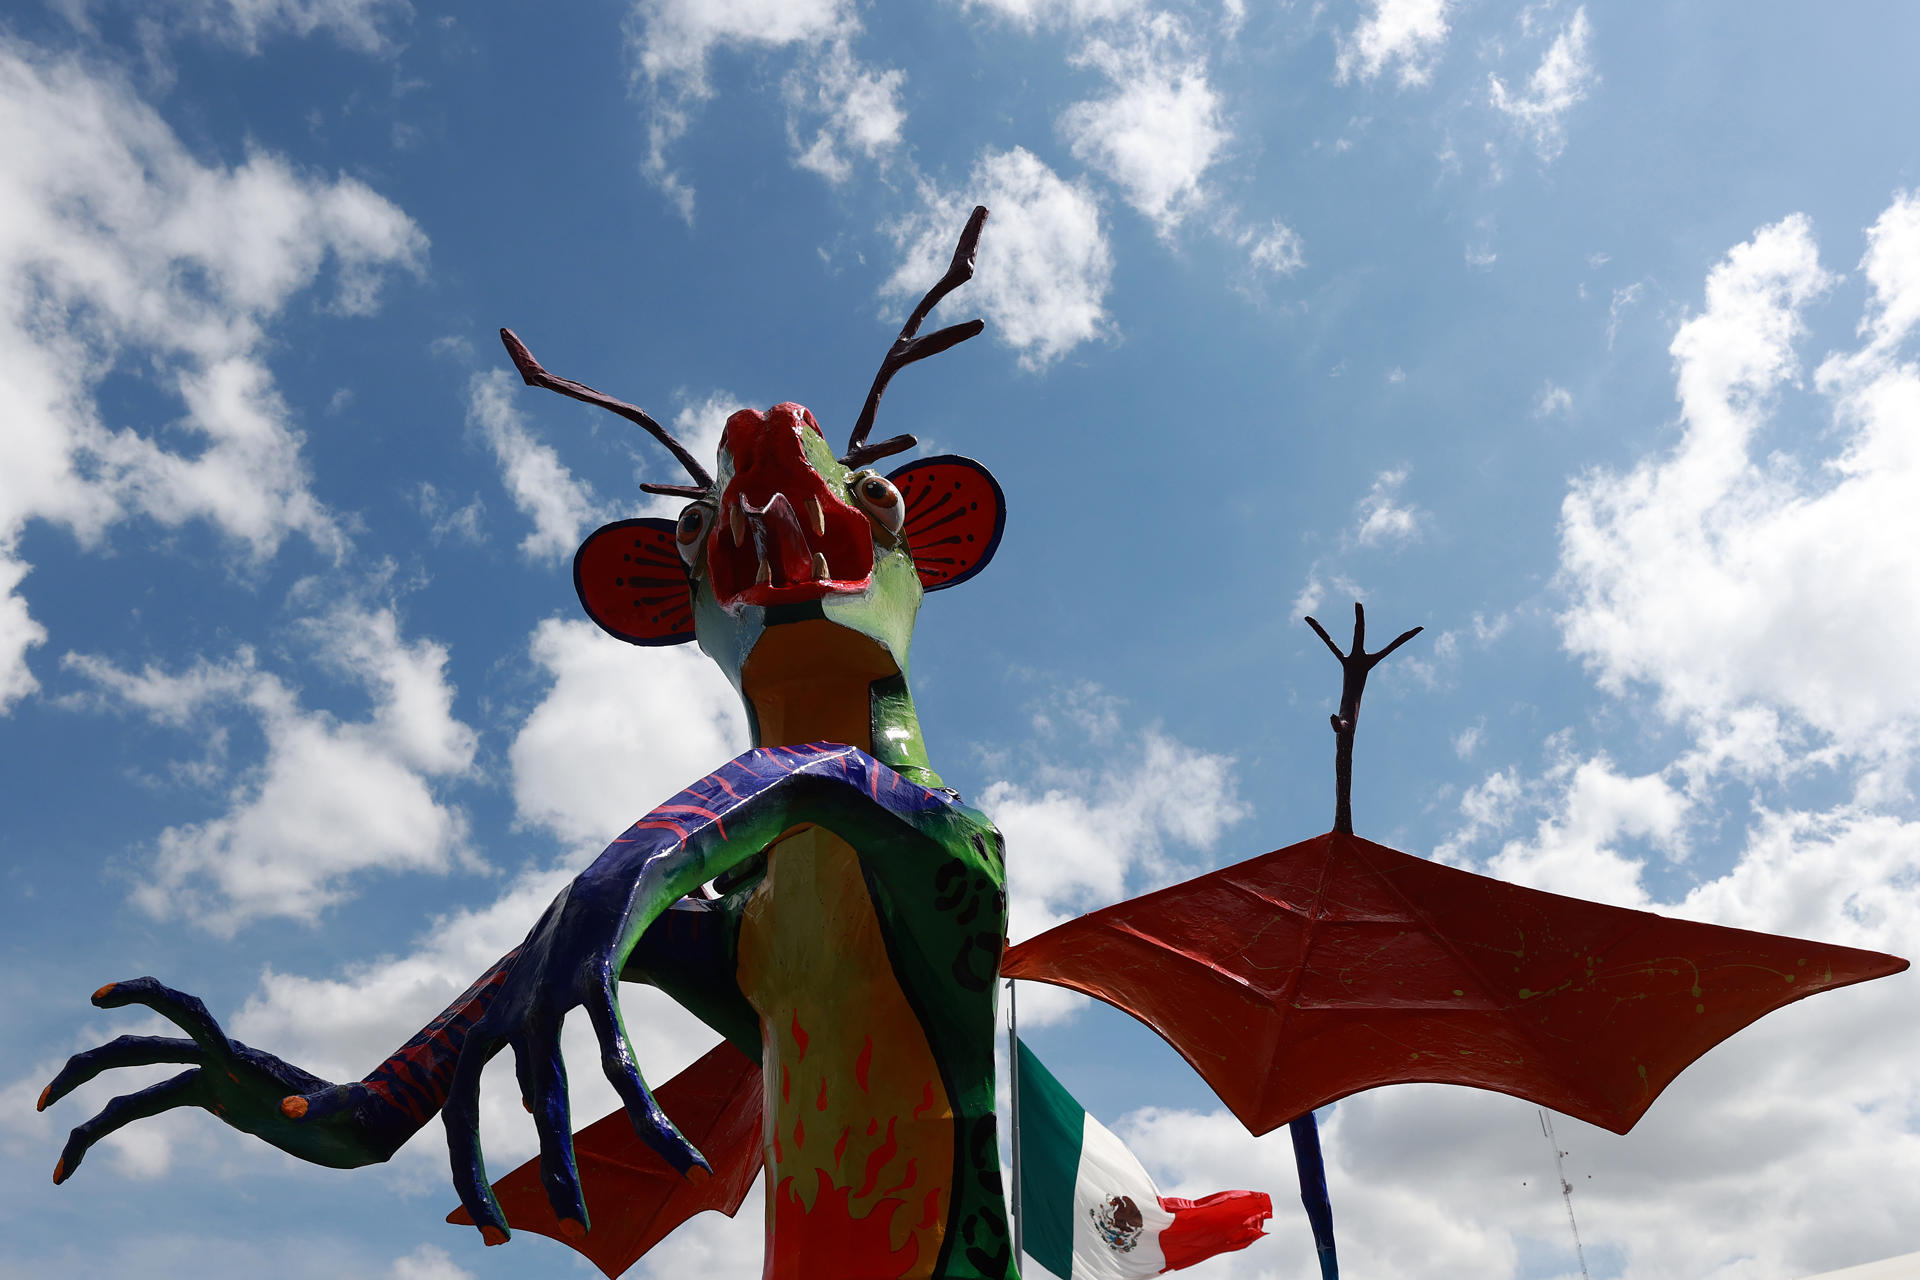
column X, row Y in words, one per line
column 1117, row 1213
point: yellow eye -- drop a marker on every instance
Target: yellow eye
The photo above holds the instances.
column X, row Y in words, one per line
column 692, row 527
column 877, row 496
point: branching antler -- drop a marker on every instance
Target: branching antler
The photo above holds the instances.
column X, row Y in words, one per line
column 1355, row 666
column 534, row 375
column 907, row 348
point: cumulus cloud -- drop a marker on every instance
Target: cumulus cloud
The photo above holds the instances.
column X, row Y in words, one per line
column 1383, row 520
column 1407, row 34
column 561, row 507
column 1732, row 587
column 1724, row 581
column 427, row 1263
column 836, row 104
column 1080, row 839
column 1160, row 129
column 1553, row 401
column 620, row 730
column 1045, row 261
column 332, row 800
column 122, row 252
column 1558, row 84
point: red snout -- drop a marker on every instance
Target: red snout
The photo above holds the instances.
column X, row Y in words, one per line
column 782, row 534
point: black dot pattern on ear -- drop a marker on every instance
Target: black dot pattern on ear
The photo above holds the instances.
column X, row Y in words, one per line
column 955, row 515
column 632, row 583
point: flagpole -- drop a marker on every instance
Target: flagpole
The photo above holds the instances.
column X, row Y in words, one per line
column 1013, row 1070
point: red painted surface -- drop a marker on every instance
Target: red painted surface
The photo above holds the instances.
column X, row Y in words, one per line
column 777, row 489
column 1336, row 965
column 633, row 1198
column 954, row 514
column 632, row 583
column 827, row 1242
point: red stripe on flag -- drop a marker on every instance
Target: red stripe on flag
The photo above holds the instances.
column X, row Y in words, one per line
column 1219, row 1223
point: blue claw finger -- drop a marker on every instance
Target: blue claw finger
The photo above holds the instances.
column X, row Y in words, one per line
column 183, row 1090
column 127, row 1051
column 461, row 1115
column 179, row 1008
column 543, row 1080
column 653, row 1125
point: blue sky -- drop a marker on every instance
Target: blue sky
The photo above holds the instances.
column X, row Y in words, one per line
column 1581, row 338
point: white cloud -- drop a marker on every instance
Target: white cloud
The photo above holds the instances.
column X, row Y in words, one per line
column 1161, row 129
column 246, row 24
column 560, row 506
column 1044, row 263
column 1081, row 839
column 835, row 103
column 1281, row 250
column 1313, row 591
column 463, row 524
column 1382, row 520
column 1553, row 401
column 697, row 426
column 1406, row 33
column 1623, row 300
column 1573, row 849
column 332, row 800
column 621, row 730
column 1724, row 582
column 1561, row 81
column 1467, row 741
column 122, row 252
column 427, row 1263
column 1053, row 13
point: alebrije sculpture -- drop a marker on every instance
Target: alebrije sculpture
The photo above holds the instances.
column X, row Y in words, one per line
column 838, row 914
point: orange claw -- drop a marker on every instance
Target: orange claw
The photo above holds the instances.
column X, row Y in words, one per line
column 493, row 1235
column 42, row 1104
column 294, row 1107
column 697, row 1176
column 104, row 992
column 573, row 1228
column 60, row 1171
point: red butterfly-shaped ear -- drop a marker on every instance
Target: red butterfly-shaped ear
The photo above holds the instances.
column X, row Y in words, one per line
column 955, row 514
column 630, row 580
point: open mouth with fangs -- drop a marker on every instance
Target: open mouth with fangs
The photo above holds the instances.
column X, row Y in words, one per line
column 800, row 543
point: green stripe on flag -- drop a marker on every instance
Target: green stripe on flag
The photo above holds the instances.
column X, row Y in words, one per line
column 1051, row 1127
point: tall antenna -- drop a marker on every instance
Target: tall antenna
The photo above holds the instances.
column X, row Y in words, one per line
column 1566, row 1188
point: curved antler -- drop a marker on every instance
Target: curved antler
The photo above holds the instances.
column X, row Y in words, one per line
column 907, row 348
column 534, row 375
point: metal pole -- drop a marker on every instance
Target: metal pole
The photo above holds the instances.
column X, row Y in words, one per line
column 1013, row 1069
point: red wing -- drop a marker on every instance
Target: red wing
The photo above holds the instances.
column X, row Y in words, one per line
column 633, row 1198
column 955, row 515
column 631, row 581
column 1336, row 965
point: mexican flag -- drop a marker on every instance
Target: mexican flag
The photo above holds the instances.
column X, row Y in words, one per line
column 1088, row 1209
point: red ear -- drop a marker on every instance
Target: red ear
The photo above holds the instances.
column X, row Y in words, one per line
column 955, row 513
column 631, row 581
